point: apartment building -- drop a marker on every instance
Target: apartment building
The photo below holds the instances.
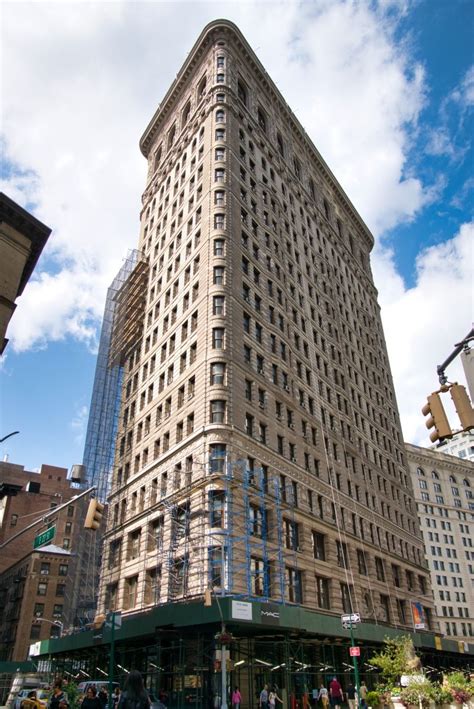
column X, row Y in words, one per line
column 444, row 492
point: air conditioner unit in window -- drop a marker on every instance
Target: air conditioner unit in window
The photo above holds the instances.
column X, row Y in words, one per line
column 293, row 459
column 286, row 387
column 292, row 426
column 260, row 371
column 247, row 298
column 261, row 404
column 191, row 396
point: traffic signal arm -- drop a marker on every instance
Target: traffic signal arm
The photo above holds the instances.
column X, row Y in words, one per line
column 438, row 419
column 94, row 514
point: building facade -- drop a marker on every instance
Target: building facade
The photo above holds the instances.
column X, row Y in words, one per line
column 461, row 445
column 22, row 239
column 258, row 448
column 444, row 492
column 258, row 458
column 33, row 600
column 35, row 579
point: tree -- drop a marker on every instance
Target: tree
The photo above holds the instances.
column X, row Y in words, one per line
column 397, row 658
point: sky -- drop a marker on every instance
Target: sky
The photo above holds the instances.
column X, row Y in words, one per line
column 384, row 88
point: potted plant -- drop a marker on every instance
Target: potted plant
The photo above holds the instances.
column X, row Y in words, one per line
column 441, row 695
column 460, row 688
column 417, row 694
column 373, row 699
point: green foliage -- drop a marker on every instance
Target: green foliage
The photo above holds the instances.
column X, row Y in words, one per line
column 459, row 687
column 415, row 692
column 373, row 699
column 73, row 695
column 441, row 695
column 397, row 658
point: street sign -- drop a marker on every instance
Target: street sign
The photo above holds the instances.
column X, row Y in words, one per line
column 44, row 537
column 351, row 618
column 354, row 651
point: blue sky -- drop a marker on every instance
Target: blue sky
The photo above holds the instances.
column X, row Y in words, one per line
column 384, row 89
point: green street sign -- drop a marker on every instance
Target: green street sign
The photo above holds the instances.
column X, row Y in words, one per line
column 44, row 537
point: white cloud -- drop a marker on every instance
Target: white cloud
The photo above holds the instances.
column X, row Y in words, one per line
column 76, row 104
column 423, row 323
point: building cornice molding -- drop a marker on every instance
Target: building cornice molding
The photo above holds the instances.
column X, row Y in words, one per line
column 206, row 38
column 443, row 460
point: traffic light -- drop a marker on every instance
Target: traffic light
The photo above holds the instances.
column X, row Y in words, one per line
column 463, row 406
column 438, row 419
column 94, row 514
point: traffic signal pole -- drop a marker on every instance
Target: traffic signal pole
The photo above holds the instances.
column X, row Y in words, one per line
column 356, row 666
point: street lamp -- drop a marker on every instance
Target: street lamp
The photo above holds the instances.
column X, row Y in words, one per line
column 59, row 623
column 13, row 433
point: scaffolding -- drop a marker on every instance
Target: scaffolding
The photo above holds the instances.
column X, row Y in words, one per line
column 224, row 532
column 122, row 327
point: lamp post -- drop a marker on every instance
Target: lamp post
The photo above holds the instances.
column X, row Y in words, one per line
column 208, row 602
column 59, row 623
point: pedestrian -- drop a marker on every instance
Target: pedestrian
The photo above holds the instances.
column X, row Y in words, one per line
column 351, row 696
column 263, row 700
column 335, row 693
column 116, row 697
column 236, row 698
column 103, row 697
column 273, row 698
column 91, row 700
column 363, row 695
column 323, row 696
column 134, row 695
column 57, row 696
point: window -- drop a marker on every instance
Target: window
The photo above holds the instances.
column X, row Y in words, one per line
column 242, row 92
column 219, row 174
column 346, row 595
column 218, row 305
column 152, row 585
column 219, row 247
column 319, row 546
column 256, row 521
column 220, row 116
column 216, row 508
column 322, row 592
column 342, row 558
column 63, row 570
column 379, row 569
column 218, row 334
column 218, row 275
column 291, row 534
column 217, row 373
column 217, row 457
column 362, row 562
column 294, row 585
column 218, row 409
column 38, row 609
column 60, row 589
column 42, row 588
column 260, row 577
column 130, row 592
column 45, row 568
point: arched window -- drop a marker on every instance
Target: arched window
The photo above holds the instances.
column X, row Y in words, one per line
column 466, row 482
column 242, row 91
column 420, row 471
column 186, row 114
column 157, row 158
column 434, row 475
column 220, row 116
column 171, row 136
column 201, row 88
column 452, row 479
